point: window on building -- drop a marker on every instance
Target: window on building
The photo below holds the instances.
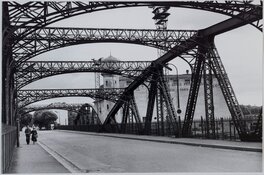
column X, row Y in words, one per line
column 106, row 83
column 187, row 82
column 107, row 106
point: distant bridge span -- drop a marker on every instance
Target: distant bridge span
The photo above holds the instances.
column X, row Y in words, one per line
column 30, row 71
column 74, row 107
column 26, row 97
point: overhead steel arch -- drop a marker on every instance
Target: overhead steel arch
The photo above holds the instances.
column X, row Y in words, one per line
column 26, row 97
column 40, row 14
column 50, row 38
column 31, row 71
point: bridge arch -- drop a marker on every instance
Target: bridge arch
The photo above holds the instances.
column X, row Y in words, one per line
column 50, row 12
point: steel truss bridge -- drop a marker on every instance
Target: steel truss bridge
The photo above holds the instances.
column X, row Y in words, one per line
column 25, row 35
column 79, row 108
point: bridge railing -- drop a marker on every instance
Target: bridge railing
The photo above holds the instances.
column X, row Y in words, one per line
column 8, row 144
column 224, row 128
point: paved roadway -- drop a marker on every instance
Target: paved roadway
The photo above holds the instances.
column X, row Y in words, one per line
column 105, row 154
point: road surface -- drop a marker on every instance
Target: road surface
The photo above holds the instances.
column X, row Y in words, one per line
column 105, row 154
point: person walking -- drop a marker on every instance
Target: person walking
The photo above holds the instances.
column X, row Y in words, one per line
column 34, row 135
column 27, row 133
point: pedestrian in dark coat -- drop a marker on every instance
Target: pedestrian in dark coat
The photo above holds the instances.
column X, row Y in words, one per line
column 34, row 135
column 27, row 133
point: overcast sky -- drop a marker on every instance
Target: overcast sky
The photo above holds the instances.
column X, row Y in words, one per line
column 240, row 49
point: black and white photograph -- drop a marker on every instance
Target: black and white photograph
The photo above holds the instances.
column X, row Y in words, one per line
column 132, row 87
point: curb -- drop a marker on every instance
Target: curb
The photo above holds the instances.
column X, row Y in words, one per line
column 61, row 159
column 176, row 142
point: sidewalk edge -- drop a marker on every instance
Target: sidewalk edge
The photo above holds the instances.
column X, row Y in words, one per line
column 62, row 160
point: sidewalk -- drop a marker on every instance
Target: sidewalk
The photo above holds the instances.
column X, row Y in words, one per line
column 34, row 159
column 222, row 144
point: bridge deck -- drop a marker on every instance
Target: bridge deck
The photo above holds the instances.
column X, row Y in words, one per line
column 93, row 152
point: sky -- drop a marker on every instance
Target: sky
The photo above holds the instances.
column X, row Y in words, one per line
column 240, row 50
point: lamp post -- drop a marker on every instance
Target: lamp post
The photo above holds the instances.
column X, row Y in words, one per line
column 178, row 97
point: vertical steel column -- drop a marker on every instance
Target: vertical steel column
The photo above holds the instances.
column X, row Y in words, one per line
column 6, row 62
column 208, row 99
column 160, row 112
column 194, row 89
column 151, row 101
column 169, row 105
column 124, row 118
column 136, row 114
column 228, row 92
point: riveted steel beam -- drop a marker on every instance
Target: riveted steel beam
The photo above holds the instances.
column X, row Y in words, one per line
column 208, row 99
column 151, row 100
column 193, row 93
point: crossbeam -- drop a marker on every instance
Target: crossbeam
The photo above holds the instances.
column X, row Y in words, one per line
column 30, row 71
column 26, row 97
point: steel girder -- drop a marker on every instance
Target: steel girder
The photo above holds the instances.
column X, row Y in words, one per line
column 193, row 93
column 135, row 113
column 46, row 39
column 30, row 71
column 228, row 92
column 160, row 112
column 171, row 112
column 208, row 98
column 39, row 14
column 26, row 97
column 151, row 96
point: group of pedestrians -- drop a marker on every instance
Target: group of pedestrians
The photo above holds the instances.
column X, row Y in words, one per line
column 33, row 134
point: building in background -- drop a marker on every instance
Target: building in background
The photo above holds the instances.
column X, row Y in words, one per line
column 103, row 107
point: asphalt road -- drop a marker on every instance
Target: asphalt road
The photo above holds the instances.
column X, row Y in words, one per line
column 106, row 154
